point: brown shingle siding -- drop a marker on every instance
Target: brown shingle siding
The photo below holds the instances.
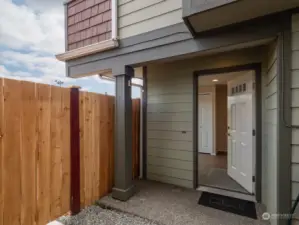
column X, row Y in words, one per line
column 71, row 20
column 72, row 3
column 96, row 20
column 102, row 28
column 95, row 40
column 107, row 16
column 89, row 3
column 99, row 1
column 94, row 10
column 86, row 14
column 89, row 22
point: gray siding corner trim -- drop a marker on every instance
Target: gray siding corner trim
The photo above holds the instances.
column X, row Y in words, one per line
column 172, row 41
column 284, row 135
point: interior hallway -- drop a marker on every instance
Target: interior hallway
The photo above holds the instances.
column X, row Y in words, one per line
column 212, row 172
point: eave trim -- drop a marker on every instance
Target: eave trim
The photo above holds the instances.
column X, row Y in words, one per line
column 88, row 50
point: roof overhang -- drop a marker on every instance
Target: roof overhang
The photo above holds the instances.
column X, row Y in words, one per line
column 202, row 15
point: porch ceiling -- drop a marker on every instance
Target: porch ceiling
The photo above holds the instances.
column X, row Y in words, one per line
column 222, row 78
column 234, row 12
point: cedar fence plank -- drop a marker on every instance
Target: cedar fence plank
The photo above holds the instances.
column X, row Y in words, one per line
column 1, row 151
column 82, row 149
column 44, row 154
column 11, row 153
column 56, row 152
column 29, row 149
column 66, row 158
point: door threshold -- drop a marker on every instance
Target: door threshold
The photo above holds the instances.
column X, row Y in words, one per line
column 232, row 194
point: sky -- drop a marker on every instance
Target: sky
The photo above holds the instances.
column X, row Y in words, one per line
column 31, row 33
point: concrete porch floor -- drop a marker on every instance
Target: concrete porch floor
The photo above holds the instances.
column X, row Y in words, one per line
column 168, row 205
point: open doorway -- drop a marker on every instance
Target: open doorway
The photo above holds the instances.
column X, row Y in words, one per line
column 226, row 130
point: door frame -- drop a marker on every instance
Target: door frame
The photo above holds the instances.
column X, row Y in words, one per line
column 213, row 120
column 257, row 68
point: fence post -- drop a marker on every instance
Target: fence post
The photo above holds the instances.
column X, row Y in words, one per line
column 75, row 150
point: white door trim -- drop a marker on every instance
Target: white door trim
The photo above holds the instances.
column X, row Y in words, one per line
column 211, row 94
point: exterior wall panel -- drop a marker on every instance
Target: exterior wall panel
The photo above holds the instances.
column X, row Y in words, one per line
column 269, row 152
column 88, row 22
column 139, row 16
column 170, row 125
column 295, row 108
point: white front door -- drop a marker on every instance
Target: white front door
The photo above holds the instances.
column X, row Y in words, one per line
column 240, row 125
column 205, row 123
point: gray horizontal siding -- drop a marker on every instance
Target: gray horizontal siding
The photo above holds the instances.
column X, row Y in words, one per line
column 166, row 117
column 295, row 108
column 170, row 153
column 169, row 135
column 170, row 98
column 139, row 16
column 170, row 172
column 170, row 180
column 269, row 153
column 169, row 127
column 170, row 163
column 169, row 107
column 170, row 144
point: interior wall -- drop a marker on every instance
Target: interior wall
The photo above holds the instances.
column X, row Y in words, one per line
column 170, row 113
column 221, row 118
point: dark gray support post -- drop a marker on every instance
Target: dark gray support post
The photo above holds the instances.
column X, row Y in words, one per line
column 123, row 180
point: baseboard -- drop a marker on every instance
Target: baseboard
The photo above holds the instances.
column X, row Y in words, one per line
column 221, row 152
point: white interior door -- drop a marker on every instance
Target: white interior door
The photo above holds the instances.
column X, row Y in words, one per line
column 205, row 123
column 240, row 126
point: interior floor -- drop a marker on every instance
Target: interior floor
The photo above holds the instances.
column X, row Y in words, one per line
column 212, row 172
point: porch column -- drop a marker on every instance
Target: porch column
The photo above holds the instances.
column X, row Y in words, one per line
column 123, row 181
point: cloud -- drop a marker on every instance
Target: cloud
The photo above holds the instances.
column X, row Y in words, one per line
column 37, row 29
column 31, row 33
column 42, row 5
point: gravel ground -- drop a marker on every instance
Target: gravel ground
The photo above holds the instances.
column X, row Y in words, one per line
column 96, row 215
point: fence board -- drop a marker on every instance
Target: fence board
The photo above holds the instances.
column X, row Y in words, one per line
column 44, row 154
column 111, row 140
column 11, row 153
column 65, row 143
column 56, row 153
column 96, row 145
column 96, row 127
column 1, row 151
column 82, row 149
column 28, row 154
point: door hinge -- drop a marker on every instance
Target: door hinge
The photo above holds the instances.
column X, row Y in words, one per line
column 253, row 178
column 253, row 132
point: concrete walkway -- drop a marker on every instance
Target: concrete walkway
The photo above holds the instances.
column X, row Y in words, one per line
column 170, row 205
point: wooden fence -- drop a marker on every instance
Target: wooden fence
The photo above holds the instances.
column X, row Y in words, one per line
column 35, row 150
